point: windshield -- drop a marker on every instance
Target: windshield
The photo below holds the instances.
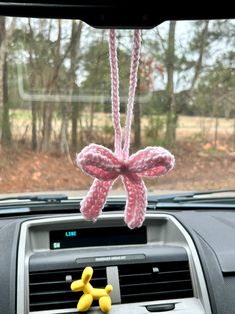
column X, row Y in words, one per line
column 55, row 99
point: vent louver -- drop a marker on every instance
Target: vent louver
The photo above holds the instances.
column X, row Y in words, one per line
column 155, row 281
column 50, row 291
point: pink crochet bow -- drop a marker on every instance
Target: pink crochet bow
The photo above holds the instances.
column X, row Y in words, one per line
column 106, row 166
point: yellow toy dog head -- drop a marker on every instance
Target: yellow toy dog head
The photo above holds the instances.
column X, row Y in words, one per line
column 91, row 293
column 79, row 285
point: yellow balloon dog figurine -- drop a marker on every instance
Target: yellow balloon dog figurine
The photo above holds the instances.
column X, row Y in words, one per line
column 91, row 293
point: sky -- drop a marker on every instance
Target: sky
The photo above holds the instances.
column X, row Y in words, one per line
column 184, row 34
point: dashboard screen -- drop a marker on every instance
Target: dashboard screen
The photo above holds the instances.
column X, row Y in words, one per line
column 72, row 238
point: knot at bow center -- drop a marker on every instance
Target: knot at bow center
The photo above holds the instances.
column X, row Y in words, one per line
column 124, row 167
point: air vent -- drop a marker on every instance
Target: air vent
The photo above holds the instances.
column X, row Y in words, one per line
column 50, row 291
column 155, row 281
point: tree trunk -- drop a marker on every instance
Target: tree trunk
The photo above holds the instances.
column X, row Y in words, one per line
column 137, row 120
column 48, row 108
column 75, row 112
column 234, row 133
column 47, row 126
column 216, row 131
column 198, row 66
column 75, row 45
column 2, row 57
column 34, row 141
column 216, row 117
column 64, row 130
column 171, row 107
column 4, row 38
column 137, row 125
column 6, row 126
column 91, row 122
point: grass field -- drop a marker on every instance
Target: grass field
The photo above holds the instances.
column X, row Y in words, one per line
column 200, row 164
column 188, row 127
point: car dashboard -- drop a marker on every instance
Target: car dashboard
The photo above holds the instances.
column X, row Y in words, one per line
column 179, row 261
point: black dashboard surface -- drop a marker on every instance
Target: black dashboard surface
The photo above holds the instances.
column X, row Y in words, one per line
column 213, row 233
column 217, row 229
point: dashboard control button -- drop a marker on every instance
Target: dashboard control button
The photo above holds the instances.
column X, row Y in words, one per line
column 160, row 307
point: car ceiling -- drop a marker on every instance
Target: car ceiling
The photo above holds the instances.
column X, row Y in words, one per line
column 119, row 13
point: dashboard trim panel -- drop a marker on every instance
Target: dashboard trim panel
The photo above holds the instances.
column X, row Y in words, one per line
column 198, row 281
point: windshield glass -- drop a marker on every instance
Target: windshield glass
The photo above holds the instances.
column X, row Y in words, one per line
column 55, row 99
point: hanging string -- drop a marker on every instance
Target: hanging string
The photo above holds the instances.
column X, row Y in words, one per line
column 115, row 92
column 131, row 94
column 106, row 166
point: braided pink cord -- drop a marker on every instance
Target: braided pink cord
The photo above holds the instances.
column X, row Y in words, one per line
column 131, row 94
column 115, row 91
column 106, row 166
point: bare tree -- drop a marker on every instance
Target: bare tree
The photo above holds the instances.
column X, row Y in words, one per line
column 74, row 63
column 137, row 119
column 50, row 86
column 5, row 35
column 171, row 107
column 34, row 140
column 198, row 66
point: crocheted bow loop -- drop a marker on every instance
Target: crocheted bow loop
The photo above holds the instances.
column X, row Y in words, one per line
column 99, row 162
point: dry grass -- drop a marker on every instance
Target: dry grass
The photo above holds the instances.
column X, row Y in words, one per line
column 187, row 128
